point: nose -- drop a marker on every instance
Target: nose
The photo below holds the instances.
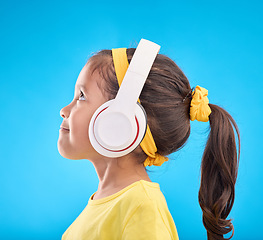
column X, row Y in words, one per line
column 65, row 111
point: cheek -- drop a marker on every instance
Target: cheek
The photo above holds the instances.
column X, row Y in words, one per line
column 80, row 120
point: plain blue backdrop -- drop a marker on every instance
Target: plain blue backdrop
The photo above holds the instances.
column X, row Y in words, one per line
column 43, row 47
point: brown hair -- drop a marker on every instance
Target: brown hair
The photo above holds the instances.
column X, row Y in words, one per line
column 168, row 118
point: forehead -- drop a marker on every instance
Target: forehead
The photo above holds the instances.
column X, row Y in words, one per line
column 86, row 80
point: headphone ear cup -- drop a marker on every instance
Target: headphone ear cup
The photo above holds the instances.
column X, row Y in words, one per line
column 140, row 119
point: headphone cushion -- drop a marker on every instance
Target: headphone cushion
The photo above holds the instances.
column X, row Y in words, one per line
column 112, row 134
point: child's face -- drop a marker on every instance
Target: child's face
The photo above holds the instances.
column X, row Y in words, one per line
column 75, row 144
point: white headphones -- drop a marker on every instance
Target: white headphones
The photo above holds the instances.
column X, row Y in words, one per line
column 118, row 126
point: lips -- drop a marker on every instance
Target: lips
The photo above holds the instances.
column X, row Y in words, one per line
column 64, row 128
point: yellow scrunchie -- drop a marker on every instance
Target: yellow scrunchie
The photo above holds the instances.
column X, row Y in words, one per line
column 121, row 65
column 199, row 108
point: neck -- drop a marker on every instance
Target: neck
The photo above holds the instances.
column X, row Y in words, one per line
column 115, row 173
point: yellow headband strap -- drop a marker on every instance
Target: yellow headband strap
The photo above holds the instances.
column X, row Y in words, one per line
column 121, row 65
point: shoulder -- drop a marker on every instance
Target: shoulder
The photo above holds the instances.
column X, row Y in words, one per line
column 147, row 222
column 142, row 191
column 144, row 201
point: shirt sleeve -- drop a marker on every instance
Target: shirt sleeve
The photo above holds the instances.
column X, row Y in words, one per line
column 146, row 222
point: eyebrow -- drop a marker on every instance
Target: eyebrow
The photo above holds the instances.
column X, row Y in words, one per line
column 82, row 87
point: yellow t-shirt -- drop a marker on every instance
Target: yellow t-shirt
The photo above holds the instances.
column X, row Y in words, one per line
column 137, row 212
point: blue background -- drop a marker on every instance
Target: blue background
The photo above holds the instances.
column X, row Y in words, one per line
column 43, row 47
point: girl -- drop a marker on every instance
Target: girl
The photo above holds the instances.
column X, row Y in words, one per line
column 127, row 204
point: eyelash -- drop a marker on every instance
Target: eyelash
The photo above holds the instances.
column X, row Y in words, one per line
column 81, row 95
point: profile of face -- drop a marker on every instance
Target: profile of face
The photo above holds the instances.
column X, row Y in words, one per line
column 74, row 143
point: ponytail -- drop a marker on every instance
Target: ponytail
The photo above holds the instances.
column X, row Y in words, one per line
column 219, row 169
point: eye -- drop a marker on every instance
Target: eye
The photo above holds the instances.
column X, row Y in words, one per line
column 81, row 95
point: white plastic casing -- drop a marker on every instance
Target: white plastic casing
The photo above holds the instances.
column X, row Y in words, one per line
column 106, row 133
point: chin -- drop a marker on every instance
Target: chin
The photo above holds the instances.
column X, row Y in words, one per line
column 64, row 153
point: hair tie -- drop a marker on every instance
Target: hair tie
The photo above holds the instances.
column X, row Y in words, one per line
column 188, row 94
column 199, row 108
column 147, row 144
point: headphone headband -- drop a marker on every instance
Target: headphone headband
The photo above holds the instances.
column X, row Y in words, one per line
column 136, row 74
